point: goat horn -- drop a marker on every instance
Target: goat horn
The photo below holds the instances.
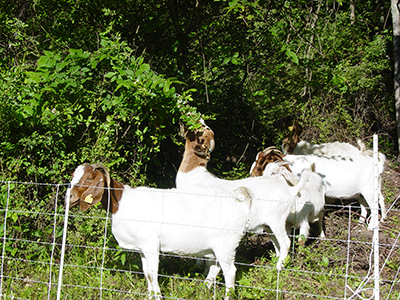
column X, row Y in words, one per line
column 271, row 149
column 104, row 168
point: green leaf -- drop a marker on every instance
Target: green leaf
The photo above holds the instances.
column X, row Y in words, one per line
column 166, row 86
column 13, row 216
column 325, row 261
column 28, row 110
column 292, row 56
column 33, row 77
column 110, row 74
column 60, row 66
column 51, row 63
column 143, row 68
column 233, row 3
column 42, row 61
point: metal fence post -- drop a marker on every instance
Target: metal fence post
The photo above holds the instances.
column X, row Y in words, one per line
column 375, row 220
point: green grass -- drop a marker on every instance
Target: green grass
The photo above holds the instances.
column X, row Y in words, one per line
column 307, row 275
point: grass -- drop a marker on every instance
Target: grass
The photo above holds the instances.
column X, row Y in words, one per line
column 306, row 276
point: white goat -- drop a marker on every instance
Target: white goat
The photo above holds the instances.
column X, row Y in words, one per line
column 345, row 177
column 309, row 203
column 292, row 144
column 273, row 200
column 152, row 220
column 328, row 149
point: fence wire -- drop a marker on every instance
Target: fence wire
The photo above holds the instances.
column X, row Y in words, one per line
column 32, row 217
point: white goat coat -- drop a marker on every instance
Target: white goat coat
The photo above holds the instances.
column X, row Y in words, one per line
column 272, row 203
column 155, row 220
column 309, row 202
column 271, row 197
column 326, row 149
column 345, row 177
column 152, row 220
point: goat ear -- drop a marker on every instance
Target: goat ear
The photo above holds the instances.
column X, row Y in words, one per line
column 94, row 193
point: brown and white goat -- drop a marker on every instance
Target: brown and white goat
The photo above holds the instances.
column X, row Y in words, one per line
column 273, row 200
column 152, row 220
column 345, row 177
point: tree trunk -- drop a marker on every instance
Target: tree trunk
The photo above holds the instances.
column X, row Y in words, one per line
column 396, row 59
column 352, row 11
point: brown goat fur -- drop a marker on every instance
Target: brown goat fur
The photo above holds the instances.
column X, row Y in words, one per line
column 199, row 145
column 92, row 188
column 263, row 159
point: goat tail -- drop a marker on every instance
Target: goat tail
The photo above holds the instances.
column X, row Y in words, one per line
column 304, row 177
column 361, row 145
column 243, row 194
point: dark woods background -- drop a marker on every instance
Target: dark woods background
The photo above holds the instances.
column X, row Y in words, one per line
column 110, row 81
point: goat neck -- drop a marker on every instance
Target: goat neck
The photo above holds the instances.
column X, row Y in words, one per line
column 89, row 186
column 198, row 147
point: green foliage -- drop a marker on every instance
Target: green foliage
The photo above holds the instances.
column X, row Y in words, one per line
column 251, row 62
column 80, row 106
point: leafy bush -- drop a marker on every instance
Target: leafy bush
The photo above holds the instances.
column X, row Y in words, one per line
column 78, row 106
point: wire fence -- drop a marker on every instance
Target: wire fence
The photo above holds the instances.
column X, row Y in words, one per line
column 35, row 265
column 31, row 230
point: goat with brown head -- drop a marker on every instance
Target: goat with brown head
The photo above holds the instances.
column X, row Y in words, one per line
column 198, row 147
column 89, row 186
column 275, row 198
column 268, row 155
column 152, row 220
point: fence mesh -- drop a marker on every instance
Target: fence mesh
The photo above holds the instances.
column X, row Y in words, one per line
column 31, row 229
